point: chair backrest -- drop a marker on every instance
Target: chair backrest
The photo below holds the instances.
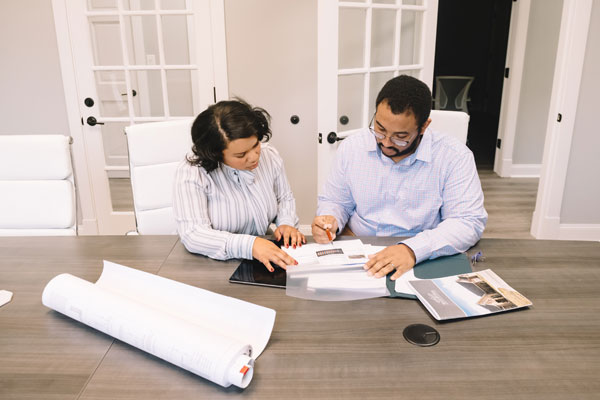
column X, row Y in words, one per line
column 452, row 92
column 155, row 151
column 37, row 190
column 453, row 123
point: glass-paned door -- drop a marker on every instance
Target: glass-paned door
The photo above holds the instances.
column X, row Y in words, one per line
column 363, row 44
column 136, row 61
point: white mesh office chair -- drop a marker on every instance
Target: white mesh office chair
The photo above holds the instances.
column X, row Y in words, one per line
column 454, row 123
column 37, row 190
column 452, row 93
column 155, row 150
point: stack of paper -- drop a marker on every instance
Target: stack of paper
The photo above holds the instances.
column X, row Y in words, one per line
column 214, row 336
column 334, row 272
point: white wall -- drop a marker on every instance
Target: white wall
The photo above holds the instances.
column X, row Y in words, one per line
column 536, row 87
column 32, row 99
column 272, row 63
column 581, row 196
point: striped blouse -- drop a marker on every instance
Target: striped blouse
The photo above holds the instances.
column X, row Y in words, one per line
column 219, row 213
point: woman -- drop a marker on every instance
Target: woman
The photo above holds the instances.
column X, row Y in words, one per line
column 233, row 186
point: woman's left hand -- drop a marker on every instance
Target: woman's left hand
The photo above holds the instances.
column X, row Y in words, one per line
column 291, row 236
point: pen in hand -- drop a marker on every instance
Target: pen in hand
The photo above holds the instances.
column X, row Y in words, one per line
column 329, row 235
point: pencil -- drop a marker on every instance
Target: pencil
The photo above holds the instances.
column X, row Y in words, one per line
column 329, row 234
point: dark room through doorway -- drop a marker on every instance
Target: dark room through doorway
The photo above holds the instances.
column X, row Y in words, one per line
column 472, row 38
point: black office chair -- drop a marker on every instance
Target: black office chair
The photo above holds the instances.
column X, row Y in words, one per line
column 452, row 93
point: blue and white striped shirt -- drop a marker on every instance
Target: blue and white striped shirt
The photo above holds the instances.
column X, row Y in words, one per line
column 219, row 213
column 434, row 195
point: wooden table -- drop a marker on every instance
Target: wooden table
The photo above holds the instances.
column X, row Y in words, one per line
column 317, row 349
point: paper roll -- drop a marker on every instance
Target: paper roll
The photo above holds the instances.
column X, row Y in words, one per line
column 193, row 345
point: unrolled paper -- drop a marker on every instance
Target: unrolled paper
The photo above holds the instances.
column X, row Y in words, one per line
column 214, row 336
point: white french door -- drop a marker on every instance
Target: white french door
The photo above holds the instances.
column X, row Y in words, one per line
column 363, row 44
column 137, row 61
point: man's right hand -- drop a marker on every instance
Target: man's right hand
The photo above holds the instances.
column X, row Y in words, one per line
column 320, row 225
column 267, row 252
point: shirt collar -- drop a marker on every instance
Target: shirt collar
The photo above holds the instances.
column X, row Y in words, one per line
column 423, row 152
column 238, row 175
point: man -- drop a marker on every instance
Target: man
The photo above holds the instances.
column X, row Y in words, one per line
column 399, row 179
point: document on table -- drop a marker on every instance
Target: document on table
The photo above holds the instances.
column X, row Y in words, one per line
column 214, row 336
column 339, row 252
column 345, row 280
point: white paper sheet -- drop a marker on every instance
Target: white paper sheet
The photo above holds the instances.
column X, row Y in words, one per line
column 338, row 252
column 5, row 297
column 214, row 336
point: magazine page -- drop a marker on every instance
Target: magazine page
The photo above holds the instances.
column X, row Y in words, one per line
column 216, row 348
column 467, row 295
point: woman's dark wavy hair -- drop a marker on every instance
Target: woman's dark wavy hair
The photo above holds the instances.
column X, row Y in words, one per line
column 222, row 123
column 405, row 93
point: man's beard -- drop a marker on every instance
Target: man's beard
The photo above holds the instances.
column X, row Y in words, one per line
column 398, row 153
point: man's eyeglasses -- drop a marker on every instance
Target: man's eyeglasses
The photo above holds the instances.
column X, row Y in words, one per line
column 396, row 138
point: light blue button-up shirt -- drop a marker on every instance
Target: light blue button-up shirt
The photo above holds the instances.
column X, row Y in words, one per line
column 433, row 196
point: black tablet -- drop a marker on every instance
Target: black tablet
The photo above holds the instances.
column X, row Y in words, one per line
column 253, row 272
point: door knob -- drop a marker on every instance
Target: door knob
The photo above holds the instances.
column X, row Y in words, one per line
column 91, row 121
column 332, row 137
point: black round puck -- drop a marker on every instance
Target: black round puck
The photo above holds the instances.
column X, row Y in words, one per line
column 421, row 335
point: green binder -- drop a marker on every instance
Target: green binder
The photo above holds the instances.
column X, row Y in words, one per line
column 436, row 268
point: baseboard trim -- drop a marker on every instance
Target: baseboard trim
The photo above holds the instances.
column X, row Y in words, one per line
column 87, row 227
column 525, row 170
column 589, row 232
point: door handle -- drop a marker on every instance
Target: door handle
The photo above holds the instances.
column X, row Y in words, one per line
column 91, row 121
column 332, row 137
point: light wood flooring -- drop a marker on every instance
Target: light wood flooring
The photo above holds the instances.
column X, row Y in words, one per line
column 509, row 202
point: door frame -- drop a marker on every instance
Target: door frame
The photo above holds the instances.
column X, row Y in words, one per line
column 88, row 223
column 511, row 90
column 566, row 85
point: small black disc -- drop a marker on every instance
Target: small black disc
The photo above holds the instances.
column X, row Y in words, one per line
column 421, row 335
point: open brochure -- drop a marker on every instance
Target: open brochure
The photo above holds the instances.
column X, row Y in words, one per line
column 468, row 295
column 214, row 336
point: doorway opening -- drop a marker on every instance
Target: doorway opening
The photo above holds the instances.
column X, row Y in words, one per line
column 472, row 39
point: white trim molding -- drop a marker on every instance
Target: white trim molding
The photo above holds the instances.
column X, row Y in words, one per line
column 564, row 101
column 589, row 232
column 511, row 93
column 87, row 221
column 525, row 170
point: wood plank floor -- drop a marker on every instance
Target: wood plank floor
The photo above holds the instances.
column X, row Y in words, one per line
column 509, row 202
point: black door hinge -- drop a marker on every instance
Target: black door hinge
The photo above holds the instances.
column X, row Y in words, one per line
column 498, row 143
column 506, row 72
column 559, row 118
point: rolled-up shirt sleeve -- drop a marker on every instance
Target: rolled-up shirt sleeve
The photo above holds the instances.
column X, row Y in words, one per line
column 190, row 209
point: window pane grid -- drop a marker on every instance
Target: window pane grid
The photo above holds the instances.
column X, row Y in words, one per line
column 406, row 55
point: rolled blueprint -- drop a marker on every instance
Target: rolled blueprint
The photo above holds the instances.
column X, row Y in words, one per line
column 214, row 336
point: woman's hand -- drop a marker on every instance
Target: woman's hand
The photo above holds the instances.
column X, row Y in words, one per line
column 291, row 236
column 267, row 252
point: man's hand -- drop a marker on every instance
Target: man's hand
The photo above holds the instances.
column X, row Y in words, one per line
column 320, row 225
column 291, row 236
column 267, row 252
column 399, row 257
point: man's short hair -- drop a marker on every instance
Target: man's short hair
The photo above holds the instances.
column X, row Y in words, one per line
column 405, row 93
